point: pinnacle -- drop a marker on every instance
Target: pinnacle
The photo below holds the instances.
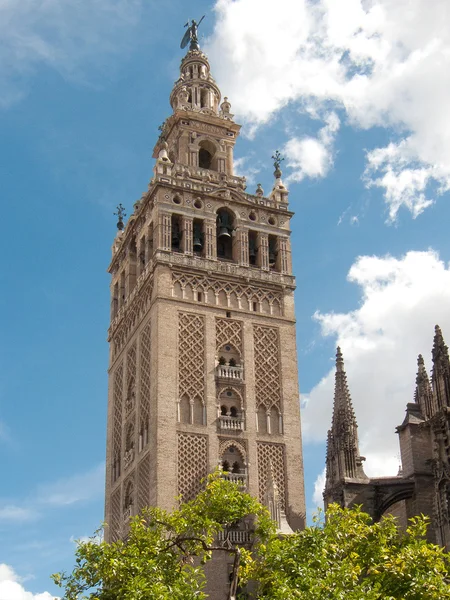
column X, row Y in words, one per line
column 342, row 409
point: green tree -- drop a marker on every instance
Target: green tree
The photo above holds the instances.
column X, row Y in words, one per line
column 164, row 552
column 351, row 557
column 346, row 557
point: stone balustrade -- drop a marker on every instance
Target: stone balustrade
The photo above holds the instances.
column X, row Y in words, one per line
column 227, row 372
column 231, row 423
column 235, row 536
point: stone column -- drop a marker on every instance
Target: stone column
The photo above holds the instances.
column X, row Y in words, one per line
column 263, row 251
column 243, row 240
column 187, row 235
column 283, row 245
column 165, row 232
column 210, row 240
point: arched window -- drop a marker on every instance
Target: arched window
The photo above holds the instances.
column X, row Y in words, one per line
column 233, row 412
column 225, row 231
column 223, row 411
column 177, row 233
column 207, row 155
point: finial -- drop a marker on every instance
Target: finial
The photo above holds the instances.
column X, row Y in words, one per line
column 277, row 160
column 191, row 35
column 420, row 360
column 259, row 190
column 339, row 359
column 120, row 215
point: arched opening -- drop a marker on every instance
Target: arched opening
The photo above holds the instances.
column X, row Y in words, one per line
column 273, row 252
column 204, row 158
column 233, row 463
column 177, row 233
column 198, row 237
column 128, row 500
column 252, row 247
column 207, row 155
column 204, row 98
column 225, row 223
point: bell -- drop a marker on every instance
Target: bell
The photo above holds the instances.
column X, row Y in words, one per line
column 197, row 244
column 224, row 232
column 272, row 257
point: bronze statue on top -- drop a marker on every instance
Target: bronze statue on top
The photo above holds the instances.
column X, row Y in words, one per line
column 191, row 35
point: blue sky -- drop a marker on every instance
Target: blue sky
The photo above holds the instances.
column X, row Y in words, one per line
column 355, row 94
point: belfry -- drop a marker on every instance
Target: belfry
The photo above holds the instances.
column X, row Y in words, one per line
column 203, row 367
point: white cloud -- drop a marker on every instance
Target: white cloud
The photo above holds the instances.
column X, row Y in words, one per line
column 401, row 301
column 319, row 486
column 76, row 488
column 67, row 36
column 384, row 63
column 11, row 587
column 12, row 512
column 310, row 156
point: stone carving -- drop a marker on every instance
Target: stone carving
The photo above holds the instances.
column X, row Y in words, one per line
column 145, row 380
column 115, row 526
column 143, row 478
column 228, row 332
column 131, row 379
column 192, row 464
column 117, row 427
column 191, row 356
column 225, row 293
column 136, row 307
column 267, row 367
column 271, row 460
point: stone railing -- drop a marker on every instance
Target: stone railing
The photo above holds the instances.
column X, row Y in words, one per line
column 224, row 267
column 231, row 423
column 239, row 478
column 228, row 372
column 235, row 536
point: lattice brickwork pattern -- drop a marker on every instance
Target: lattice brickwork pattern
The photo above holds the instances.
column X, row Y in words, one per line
column 131, row 378
column 143, row 480
column 144, row 396
column 267, row 367
column 271, row 454
column 192, row 464
column 117, row 411
column 212, row 288
column 229, row 332
column 137, row 306
column 116, row 517
column 191, row 356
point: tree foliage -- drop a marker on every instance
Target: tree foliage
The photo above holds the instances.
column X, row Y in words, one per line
column 345, row 556
column 348, row 556
column 163, row 554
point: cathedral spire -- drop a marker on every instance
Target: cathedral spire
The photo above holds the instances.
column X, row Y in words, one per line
column 423, row 395
column 441, row 370
column 343, row 458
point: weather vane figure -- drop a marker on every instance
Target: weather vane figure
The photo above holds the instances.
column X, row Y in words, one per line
column 191, row 35
column 120, row 214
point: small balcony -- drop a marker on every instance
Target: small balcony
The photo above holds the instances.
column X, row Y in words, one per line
column 235, row 536
column 231, row 423
column 227, row 372
column 239, row 478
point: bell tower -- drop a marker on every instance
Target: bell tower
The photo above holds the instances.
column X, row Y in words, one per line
column 203, row 368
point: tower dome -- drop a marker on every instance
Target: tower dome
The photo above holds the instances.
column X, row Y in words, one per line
column 196, row 89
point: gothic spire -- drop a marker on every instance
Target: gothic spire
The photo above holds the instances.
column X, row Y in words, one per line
column 343, row 458
column 343, row 413
column 441, row 370
column 423, row 395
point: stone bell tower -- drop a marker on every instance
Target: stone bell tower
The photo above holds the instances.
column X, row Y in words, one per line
column 203, row 369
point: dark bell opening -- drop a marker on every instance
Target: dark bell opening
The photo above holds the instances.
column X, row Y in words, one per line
column 204, row 159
